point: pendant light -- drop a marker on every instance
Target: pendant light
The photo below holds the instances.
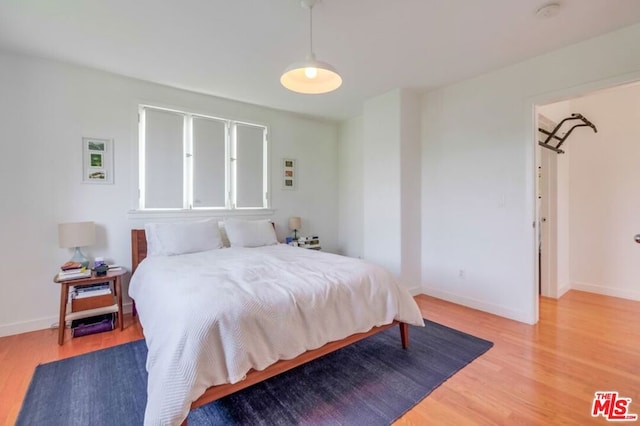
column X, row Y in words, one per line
column 311, row 76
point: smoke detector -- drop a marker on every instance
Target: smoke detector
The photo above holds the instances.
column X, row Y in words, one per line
column 548, row 11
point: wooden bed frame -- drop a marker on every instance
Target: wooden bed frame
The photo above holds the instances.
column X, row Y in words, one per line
column 139, row 252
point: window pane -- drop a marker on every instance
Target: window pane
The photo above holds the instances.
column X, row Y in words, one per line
column 163, row 159
column 208, row 163
column 249, row 166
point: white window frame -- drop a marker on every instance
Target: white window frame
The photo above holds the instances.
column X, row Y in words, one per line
column 187, row 180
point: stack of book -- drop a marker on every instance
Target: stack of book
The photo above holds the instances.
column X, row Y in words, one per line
column 91, row 297
column 309, row 242
column 91, row 290
column 74, row 274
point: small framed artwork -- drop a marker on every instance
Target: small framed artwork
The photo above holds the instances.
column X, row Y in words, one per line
column 289, row 175
column 97, row 160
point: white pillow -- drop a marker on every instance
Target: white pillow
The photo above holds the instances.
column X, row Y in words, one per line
column 250, row 233
column 172, row 238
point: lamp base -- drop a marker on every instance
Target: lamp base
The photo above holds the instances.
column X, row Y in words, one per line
column 78, row 256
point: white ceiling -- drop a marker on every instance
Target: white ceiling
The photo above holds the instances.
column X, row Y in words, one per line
column 237, row 49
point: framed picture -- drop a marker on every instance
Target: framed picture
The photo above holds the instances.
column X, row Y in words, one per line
column 97, row 160
column 289, row 175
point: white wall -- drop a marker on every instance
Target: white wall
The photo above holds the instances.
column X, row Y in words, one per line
column 410, row 189
column 382, row 181
column 478, row 208
column 391, row 184
column 350, row 167
column 47, row 107
column 604, row 187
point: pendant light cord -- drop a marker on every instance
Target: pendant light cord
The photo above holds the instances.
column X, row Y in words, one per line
column 311, row 29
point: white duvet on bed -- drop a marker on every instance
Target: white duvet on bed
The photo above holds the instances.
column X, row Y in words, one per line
column 210, row 317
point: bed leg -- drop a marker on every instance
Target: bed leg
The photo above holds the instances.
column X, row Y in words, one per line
column 134, row 311
column 404, row 334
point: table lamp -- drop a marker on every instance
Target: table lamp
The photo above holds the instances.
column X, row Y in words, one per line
column 76, row 235
column 294, row 224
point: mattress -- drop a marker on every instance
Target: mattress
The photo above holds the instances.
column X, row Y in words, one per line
column 212, row 316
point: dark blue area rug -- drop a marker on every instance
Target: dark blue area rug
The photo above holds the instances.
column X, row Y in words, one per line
column 372, row 382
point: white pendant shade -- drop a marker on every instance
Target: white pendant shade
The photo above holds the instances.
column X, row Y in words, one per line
column 311, row 76
column 299, row 77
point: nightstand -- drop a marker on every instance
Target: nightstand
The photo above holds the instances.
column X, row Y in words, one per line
column 114, row 280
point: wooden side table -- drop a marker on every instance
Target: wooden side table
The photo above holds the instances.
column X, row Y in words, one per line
column 112, row 277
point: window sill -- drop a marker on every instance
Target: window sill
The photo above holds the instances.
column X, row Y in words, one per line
column 197, row 213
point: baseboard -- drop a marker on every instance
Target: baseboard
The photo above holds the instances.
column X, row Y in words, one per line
column 40, row 324
column 481, row 306
column 560, row 291
column 414, row 291
column 27, row 326
column 608, row 291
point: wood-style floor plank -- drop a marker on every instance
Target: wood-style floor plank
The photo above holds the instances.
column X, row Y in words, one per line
column 534, row 375
column 542, row 374
column 21, row 353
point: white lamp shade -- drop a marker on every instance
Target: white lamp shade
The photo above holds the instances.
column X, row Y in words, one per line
column 295, row 223
column 76, row 234
column 326, row 80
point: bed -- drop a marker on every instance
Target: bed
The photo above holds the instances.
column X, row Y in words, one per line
column 217, row 321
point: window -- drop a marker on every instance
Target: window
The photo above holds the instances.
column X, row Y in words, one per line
column 191, row 161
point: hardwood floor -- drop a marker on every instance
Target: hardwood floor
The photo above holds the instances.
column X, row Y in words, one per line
column 538, row 375
column 534, row 375
column 21, row 353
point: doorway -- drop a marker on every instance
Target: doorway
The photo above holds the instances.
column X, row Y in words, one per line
column 587, row 204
